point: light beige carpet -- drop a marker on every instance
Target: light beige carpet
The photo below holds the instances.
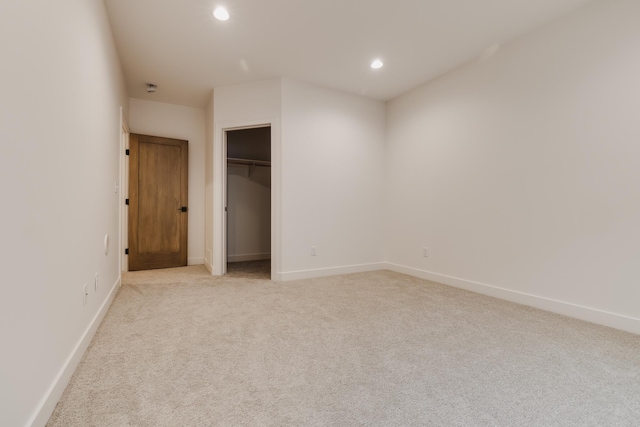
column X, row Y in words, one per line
column 181, row 348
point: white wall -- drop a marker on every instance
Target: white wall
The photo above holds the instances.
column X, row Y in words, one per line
column 238, row 106
column 179, row 122
column 332, row 180
column 521, row 173
column 62, row 90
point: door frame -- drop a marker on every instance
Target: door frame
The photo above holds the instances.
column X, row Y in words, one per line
column 123, row 190
column 220, row 192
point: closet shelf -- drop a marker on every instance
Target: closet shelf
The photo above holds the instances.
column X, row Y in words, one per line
column 248, row 162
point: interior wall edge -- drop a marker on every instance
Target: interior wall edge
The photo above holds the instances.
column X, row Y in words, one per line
column 604, row 318
column 48, row 403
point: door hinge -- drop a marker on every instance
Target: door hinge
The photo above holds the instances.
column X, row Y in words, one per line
column 126, row 201
column 126, row 251
column 126, row 151
column 183, row 209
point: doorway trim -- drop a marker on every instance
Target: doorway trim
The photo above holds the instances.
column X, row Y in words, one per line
column 123, row 190
column 220, row 192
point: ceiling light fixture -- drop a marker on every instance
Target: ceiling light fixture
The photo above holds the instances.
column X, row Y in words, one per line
column 377, row 64
column 221, row 13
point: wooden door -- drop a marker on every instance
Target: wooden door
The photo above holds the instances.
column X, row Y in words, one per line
column 158, row 173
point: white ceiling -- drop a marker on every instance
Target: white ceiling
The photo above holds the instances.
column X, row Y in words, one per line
column 181, row 47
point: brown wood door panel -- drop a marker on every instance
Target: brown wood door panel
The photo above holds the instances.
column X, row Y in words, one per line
column 158, row 187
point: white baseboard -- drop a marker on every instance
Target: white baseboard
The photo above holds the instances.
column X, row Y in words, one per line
column 53, row 394
column 332, row 271
column 248, row 257
column 195, row 261
column 208, row 266
column 588, row 314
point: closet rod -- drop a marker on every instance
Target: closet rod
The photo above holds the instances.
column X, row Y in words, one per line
column 248, row 162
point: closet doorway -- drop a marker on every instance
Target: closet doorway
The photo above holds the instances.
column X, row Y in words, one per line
column 248, row 204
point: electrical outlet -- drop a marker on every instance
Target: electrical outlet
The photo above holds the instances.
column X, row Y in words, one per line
column 85, row 294
column 425, row 252
column 313, row 251
column 96, row 283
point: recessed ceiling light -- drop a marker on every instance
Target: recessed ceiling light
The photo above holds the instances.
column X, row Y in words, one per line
column 221, row 13
column 377, row 64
